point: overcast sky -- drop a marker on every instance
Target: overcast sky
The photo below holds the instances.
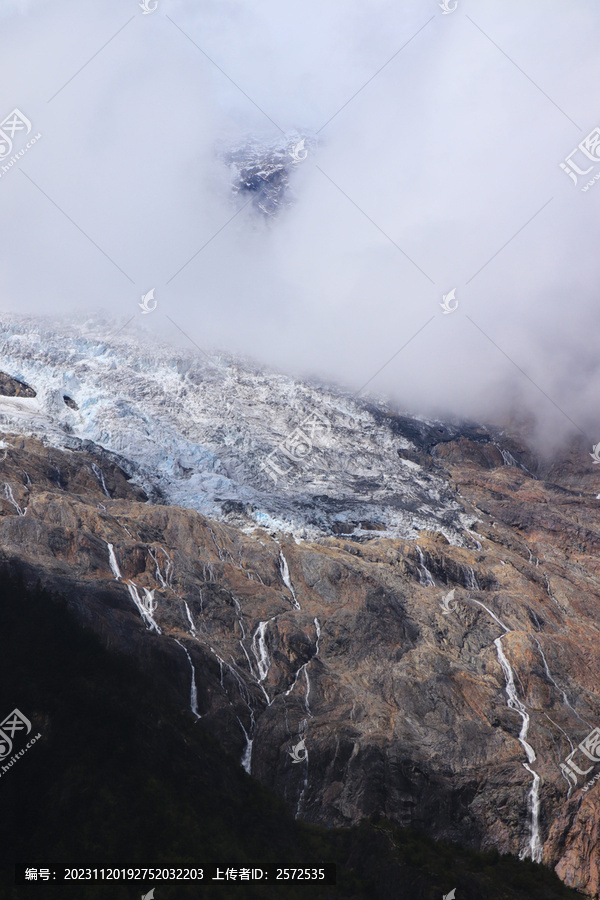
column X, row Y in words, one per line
column 437, row 168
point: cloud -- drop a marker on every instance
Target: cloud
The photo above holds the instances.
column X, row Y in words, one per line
column 437, row 167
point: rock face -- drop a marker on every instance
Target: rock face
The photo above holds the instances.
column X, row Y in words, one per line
column 440, row 684
column 374, row 613
column 12, row 387
column 261, row 173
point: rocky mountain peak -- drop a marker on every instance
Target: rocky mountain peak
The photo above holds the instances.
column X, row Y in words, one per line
column 262, row 173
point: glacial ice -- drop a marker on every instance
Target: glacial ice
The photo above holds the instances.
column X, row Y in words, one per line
column 161, row 412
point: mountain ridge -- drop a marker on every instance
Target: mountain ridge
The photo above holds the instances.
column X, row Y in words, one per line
column 439, row 677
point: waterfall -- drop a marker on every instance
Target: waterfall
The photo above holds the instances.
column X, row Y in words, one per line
column 100, row 476
column 513, row 702
column 488, row 610
column 243, row 630
column 240, row 616
column 166, row 581
column 425, row 576
column 285, row 577
column 189, row 615
column 508, row 459
column 559, row 689
column 470, row 580
column 252, row 671
column 246, row 760
column 567, row 703
column 304, row 670
column 535, row 844
column 193, row 692
column 112, row 560
column 222, row 552
column 296, row 676
column 9, row 496
column 218, row 549
column 259, row 648
column 307, row 694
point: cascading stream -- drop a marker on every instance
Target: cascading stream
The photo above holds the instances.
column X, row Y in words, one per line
column 492, row 614
column 190, row 620
column 509, row 460
column 304, row 670
column 112, row 561
column 10, row 497
column 145, row 607
column 558, row 688
column 425, row 576
column 100, row 476
column 259, row 648
column 470, row 580
column 513, row 702
column 261, row 654
column 285, row 577
column 193, row 691
column 246, row 760
column 166, row 580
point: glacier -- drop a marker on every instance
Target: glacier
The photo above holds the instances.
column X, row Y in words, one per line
column 200, row 434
